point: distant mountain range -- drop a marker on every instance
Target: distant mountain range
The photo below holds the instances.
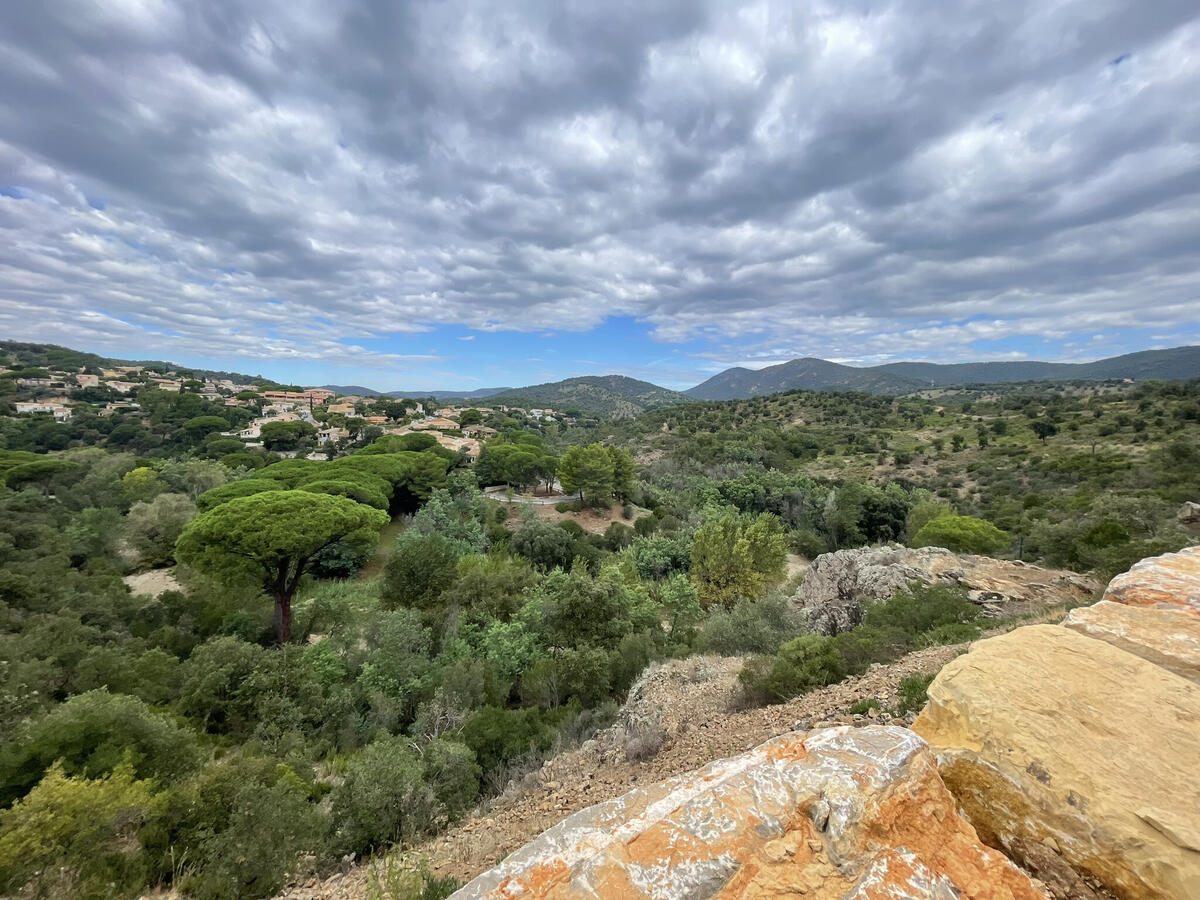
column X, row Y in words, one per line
column 615, row 396
column 906, row 377
column 359, row 390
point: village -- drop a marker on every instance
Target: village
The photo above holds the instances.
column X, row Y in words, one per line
column 336, row 422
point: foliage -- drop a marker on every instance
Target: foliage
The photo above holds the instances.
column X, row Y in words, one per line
column 153, row 528
column 420, row 568
column 963, row 534
column 275, row 535
column 384, row 798
column 736, row 556
column 77, row 837
column 588, row 471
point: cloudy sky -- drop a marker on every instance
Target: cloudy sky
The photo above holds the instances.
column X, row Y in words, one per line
column 468, row 194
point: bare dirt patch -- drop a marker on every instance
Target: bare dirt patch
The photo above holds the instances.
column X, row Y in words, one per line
column 152, row 583
column 595, row 521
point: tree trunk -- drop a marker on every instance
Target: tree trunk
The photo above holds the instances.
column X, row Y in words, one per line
column 283, row 617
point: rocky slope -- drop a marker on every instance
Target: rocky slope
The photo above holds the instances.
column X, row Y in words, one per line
column 1074, row 747
column 839, row 585
column 837, row 814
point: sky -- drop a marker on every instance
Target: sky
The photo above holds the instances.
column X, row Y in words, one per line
column 455, row 195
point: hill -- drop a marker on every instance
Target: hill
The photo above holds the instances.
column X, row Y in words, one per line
column 905, row 377
column 605, row 396
column 477, row 394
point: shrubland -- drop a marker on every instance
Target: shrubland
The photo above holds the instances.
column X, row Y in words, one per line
column 356, row 651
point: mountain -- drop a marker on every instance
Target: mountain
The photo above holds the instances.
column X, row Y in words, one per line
column 352, row 390
column 605, row 396
column 477, row 394
column 904, row 377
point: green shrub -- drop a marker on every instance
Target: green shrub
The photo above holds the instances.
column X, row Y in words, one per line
column 453, row 773
column 77, row 838
column 384, row 798
column 913, row 693
column 963, row 534
column 954, row 633
column 752, row 626
column 922, row 608
column 500, row 735
column 422, row 566
column 862, row 707
column 389, row 879
column 236, row 827
column 807, row 662
column 91, row 734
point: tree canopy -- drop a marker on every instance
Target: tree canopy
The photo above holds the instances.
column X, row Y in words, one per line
column 275, row 535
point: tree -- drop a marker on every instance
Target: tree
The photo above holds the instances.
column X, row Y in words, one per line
column 286, row 435
column 422, row 566
column 275, row 535
column 197, row 429
column 1043, row 428
column 588, row 470
column 736, row 556
column 470, row 417
column 623, row 472
column 153, row 528
column 964, row 534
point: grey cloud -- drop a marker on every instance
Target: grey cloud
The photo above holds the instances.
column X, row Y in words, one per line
column 869, row 178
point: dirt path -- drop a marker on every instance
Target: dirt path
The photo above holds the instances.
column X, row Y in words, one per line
column 384, row 549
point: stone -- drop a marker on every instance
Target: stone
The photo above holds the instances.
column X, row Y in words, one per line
column 1189, row 516
column 1170, row 580
column 843, row 813
column 1169, row 638
column 1047, row 733
column 836, row 589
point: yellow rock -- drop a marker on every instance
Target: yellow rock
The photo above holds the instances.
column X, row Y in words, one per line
column 1166, row 637
column 1050, row 738
column 1170, row 580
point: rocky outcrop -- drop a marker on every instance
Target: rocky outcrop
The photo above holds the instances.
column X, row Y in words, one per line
column 1170, row 580
column 1188, row 516
column 1169, row 638
column 1075, row 748
column 839, row 585
column 841, row 813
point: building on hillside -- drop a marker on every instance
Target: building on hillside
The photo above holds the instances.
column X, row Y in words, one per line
column 56, row 383
column 318, row 394
column 251, row 433
column 122, row 387
column 377, row 420
column 437, row 423
column 87, row 381
column 467, row 446
column 335, row 435
column 60, row 412
column 284, row 396
column 344, row 408
column 167, row 384
column 120, row 406
column 477, row 431
column 446, row 411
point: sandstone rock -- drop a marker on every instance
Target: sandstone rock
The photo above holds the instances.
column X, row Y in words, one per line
column 839, row 584
column 1051, row 738
column 842, row 813
column 1169, row 638
column 1170, row 580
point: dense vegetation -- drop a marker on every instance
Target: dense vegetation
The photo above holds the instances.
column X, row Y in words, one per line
column 357, row 649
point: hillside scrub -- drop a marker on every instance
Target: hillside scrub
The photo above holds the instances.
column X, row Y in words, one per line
column 179, row 743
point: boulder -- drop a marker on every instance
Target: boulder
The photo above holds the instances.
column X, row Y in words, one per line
column 1169, row 638
column 838, row 586
column 1188, row 516
column 1074, row 756
column 1170, row 580
column 840, row 813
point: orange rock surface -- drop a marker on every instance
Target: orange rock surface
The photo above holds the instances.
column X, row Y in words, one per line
column 841, row 813
column 1170, row 580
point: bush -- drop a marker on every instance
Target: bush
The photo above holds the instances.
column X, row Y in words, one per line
column 963, row 534
column 238, row 826
column 384, row 798
column 74, row 837
column 388, row 879
column 546, row 546
column 453, row 773
column 422, row 566
column 500, row 735
column 913, row 693
column 922, row 608
column 752, row 626
column 807, row 662
column 90, row 735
